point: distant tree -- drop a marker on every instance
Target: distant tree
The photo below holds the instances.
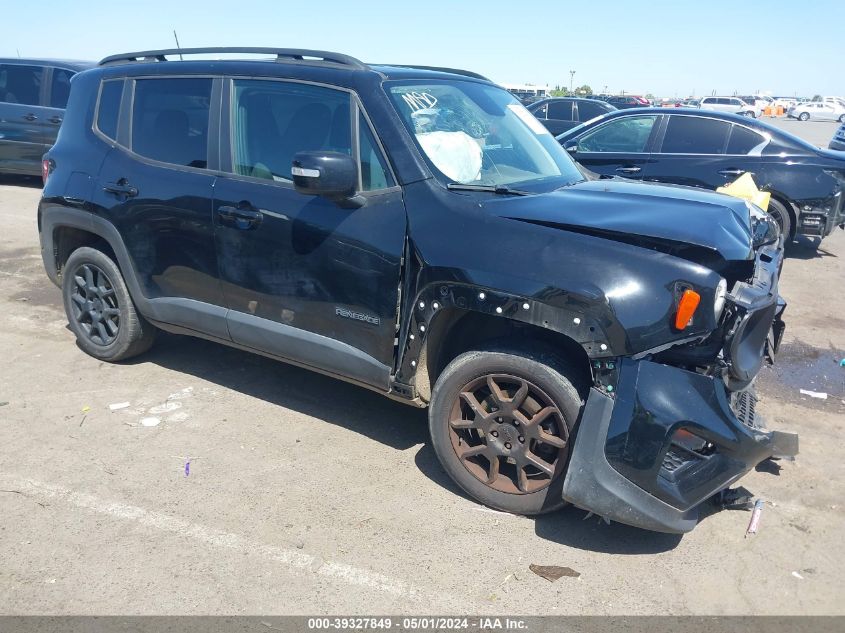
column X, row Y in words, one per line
column 584, row 90
column 560, row 92
column 817, row 97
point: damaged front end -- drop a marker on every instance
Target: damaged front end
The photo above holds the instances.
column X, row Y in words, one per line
column 664, row 430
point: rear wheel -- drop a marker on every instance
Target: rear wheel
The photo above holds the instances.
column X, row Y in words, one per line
column 99, row 309
column 501, row 423
column 803, row 116
column 780, row 214
column 842, row 118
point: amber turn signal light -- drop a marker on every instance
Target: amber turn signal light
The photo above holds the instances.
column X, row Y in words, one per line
column 686, row 308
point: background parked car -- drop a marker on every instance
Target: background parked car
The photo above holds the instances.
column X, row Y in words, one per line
column 622, row 102
column 817, row 111
column 563, row 113
column 33, row 96
column 734, row 105
column 711, row 149
column 838, row 140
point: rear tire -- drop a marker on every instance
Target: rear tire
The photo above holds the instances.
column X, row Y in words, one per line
column 99, row 309
column 804, row 116
column 842, row 118
column 780, row 214
column 523, row 422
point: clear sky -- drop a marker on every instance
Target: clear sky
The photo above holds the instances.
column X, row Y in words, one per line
column 669, row 48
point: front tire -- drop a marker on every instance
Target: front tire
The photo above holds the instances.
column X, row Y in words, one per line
column 99, row 309
column 502, row 423
column 804, row 116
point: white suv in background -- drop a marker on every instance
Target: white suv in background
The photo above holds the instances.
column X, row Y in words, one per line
column 730, row 104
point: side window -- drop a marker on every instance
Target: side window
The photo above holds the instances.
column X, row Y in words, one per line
column 695, row 135
column 170, row 120
column 20, row 84
column 560, row 110
column 273, row 120
column 374, row 172
column 108, row 107
column 588, row 110
column 60, row 88
column 541, row 112
column 627, row 134
column 743, row 140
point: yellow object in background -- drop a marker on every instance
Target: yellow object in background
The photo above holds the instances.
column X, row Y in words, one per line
column 744, row 187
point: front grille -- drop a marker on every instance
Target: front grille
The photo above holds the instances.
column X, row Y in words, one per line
column 744, row 404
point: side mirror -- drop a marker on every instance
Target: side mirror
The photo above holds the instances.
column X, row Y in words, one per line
column 332, row 175
column 571, row 147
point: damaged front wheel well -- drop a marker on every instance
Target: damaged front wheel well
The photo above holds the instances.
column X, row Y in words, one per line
column 456, row 331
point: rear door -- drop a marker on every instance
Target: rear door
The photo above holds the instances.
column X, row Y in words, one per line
column 23, row 119
column 705, row 152
column 560, row 117
column 305, row 279
column 619, row 147
column 58, row 91
column 155, row 186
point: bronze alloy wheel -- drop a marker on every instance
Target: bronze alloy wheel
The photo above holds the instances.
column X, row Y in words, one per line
column 508, row 434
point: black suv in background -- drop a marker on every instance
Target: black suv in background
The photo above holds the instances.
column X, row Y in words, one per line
column 560, row 114
column 419, row 233
column 33, row 96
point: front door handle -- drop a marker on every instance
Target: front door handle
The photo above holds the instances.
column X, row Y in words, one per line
column 629, row 170
column 121, row 188
column 30, row 117
column 55, row 119
column 731, row 172
column 244, row 216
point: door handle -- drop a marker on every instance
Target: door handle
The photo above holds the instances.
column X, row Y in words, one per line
column 56, row 120
column 629, row 170
column 731, row 172
column 121, row 188
column 30, row 117
column 244, row 216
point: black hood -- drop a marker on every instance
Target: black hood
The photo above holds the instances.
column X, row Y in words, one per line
column 684, row 221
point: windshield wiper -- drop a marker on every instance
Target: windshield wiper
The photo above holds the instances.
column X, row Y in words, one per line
column 501, row 190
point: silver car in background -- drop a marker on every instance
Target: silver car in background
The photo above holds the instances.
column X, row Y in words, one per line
column 817, row 111
column 734, row 105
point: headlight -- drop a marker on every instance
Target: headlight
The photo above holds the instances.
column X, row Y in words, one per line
column 719, row 301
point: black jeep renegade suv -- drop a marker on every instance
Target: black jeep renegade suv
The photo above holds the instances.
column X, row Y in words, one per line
column 416, row 231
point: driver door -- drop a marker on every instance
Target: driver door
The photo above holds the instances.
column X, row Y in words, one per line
column 303, row 278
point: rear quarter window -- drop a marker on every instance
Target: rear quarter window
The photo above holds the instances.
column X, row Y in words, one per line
column 108, row 107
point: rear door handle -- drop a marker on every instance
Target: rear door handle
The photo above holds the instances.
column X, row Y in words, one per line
column 56, row 120
column 629, row 170
column 30, row 117
column 244, row 216
column 731, row 172
column 121, row 188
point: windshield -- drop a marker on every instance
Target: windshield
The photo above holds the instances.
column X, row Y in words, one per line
column 478, row 134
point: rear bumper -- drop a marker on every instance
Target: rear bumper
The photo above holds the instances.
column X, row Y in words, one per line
column 627, row 464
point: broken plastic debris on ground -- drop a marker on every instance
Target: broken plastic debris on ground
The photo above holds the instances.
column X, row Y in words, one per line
column 814, row 394
column 553, row 572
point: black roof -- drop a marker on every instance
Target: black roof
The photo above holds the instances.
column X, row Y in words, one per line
column 309, row 57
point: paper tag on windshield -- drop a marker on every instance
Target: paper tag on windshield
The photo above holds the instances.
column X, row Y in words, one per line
column 528, row 118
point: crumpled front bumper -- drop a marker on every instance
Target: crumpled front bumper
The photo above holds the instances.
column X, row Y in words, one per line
column 629, row 465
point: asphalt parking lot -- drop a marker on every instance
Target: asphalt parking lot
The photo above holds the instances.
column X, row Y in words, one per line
column 268, row 489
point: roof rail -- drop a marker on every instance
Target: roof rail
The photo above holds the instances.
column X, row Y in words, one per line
column 282, row 54
column 443, row 69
